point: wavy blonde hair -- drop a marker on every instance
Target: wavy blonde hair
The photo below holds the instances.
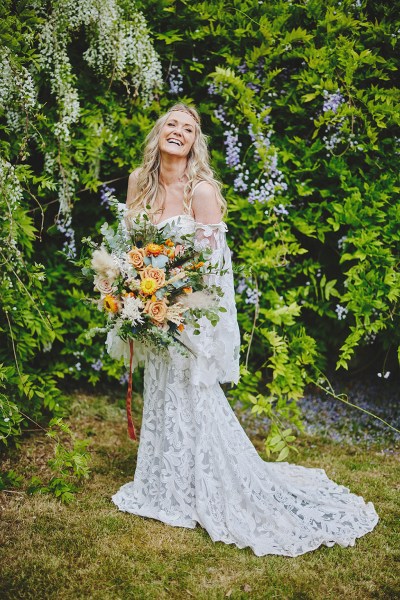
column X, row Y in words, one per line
column 198, row 168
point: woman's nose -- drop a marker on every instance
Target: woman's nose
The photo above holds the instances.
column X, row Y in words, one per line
column 177, row 130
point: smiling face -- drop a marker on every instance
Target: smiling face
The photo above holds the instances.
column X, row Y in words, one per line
column 177, row 134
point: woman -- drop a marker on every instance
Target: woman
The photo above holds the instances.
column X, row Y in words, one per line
column 195, row 462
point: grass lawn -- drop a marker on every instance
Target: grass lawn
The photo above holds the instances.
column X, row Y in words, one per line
column 91, row 550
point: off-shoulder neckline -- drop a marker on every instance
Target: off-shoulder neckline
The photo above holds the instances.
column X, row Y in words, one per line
column 184, row 215
column 187, row 217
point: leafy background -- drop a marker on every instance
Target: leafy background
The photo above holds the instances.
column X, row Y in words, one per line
column 301, row 106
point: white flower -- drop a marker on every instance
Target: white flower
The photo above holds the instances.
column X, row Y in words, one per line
column 132, row 310
column 175, row 313
column 386, row 375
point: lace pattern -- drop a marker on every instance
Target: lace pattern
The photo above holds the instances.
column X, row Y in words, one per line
column 196, row 464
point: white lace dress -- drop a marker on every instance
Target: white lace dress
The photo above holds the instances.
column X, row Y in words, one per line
column 196, row 464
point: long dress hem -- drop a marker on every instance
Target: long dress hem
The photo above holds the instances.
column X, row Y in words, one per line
column 196, row 464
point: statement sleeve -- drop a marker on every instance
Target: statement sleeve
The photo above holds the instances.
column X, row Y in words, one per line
column 217, row 347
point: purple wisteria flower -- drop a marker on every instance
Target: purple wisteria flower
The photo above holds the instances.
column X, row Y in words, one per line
column 98, row 365
column 332, row 101
column 231, row 142
column 253, row 86
column 341, row 312
column 175, row 80
column 252, row 295
column 124, row 379
column 240, row 184
column 65, row 227
column 232, row 145
column 271, row 182
column 105, row 194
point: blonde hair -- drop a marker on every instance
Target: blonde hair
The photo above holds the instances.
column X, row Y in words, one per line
column 197, row 169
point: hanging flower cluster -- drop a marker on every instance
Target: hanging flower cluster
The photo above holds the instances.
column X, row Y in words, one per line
column 10, row 199
column 175, row 80
column 17, row 89
column 271, row 182
column 119, row 47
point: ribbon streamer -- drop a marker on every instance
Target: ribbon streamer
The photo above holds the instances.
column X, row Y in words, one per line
column 131, row 427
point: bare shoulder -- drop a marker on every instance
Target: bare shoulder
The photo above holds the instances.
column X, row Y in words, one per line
column 132, row 183
column 205, row 205
column 134, row 175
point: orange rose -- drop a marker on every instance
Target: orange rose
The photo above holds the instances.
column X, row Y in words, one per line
column 153, row 273
column 156, row 310
column 181, row 327
column 135, row 257
column 188, row 290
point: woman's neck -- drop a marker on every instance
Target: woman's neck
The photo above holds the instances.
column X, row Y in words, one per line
column 172, row 170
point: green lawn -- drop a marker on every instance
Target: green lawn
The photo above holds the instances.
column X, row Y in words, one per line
column 91, row 550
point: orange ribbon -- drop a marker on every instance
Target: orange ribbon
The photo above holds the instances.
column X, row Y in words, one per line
column 131, row 427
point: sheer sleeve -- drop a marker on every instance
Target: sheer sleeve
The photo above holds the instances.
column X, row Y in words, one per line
column 217, row 347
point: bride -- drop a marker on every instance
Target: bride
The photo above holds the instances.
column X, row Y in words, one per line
column 195, row 462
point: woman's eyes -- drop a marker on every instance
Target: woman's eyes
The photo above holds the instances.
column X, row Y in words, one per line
column 188, row 130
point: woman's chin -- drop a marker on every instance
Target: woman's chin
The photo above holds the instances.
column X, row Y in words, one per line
column 173, row 152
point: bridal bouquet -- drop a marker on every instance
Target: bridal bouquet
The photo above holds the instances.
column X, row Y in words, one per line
column 149, row 285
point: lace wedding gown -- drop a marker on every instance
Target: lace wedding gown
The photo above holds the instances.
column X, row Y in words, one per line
column 195, row 462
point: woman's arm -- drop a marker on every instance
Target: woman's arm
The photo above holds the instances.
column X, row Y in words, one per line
column 205, row 204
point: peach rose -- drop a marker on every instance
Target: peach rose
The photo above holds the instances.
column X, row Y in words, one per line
column 153, row 273
column 135, row 257
column 156, row 310
column 104, row 285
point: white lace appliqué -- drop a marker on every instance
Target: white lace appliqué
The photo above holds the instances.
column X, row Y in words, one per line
column 196, row 464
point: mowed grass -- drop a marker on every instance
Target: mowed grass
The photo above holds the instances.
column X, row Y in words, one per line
column 90, row 549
